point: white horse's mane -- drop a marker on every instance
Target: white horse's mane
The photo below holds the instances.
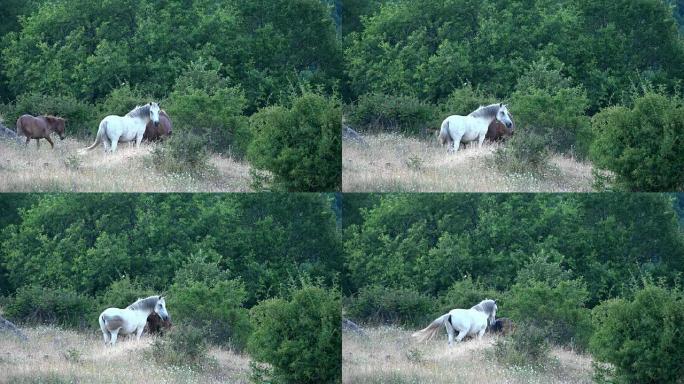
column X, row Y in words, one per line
column 140, row 111
column 486, row 111
column 146, row 303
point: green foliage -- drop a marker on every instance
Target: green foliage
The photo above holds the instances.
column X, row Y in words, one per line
column 182, row 153
column 38, row 305
column 203, row 296
column 548, row 107
column 120, row 101
column 81, row 117
column 299, row 336
column 464, row 294
column 183, row 346
column 642, row 146
column 425, row 242
column 463, row 100
column 381, row 305
column 429, row 48
column 526, row 347
column 203, row 103
column 641, row 337
column 525, row 152
column 387, row 113
column 123, row 293
column 87, row 49
column 300, row 145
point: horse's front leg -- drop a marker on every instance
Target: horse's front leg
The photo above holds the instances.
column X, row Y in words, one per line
column 138, row 140
column 139, row 332
column 480, row 140
column 50, row 141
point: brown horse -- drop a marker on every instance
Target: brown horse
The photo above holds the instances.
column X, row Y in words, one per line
column 40, row 128
column 497, row 131
column 503, row 325
column 155, row 325
column 159, row 132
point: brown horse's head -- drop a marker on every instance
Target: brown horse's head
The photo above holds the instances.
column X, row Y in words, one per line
column 498, row 131
column 56, row 124
column 155, row 324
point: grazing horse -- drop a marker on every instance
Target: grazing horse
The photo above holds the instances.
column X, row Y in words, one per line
column 156, row 132
column 156, row 325
column 473, row 321
column 131, row 127
column 115, row 321
column 456, row 128
column 503, row 325
column 40, row 128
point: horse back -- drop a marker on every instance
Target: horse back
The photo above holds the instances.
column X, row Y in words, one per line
column 32, row 126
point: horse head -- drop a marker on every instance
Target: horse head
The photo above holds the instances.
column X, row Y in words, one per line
column 154, row 113
column 57, row 124
column 504, row 116
column 160, row 309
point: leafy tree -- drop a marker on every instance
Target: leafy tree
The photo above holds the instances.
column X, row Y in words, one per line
column 642, row 146
column 641, row 337
column 299, row 336
column 300, row 145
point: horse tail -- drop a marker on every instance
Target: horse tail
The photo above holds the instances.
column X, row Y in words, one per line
column 431, row 330
column 98, row 137
column 444, row 137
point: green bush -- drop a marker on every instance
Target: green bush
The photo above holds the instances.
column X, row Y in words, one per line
column 526, row 347
column 205, row 104
column 642, row 146
column 299, row 336
column 182, row 153
column 464, row 100
column 464, row 294
column 546, row 105
column 43, row 305
column 641, row 337
column 523, row 153
column 208, row 300
column 183, row 346
column 377, row 112
column 122, row 293
column 122, row 100
column 382, row 305
column 301, row 145
column 82, row 118
column 557, row 309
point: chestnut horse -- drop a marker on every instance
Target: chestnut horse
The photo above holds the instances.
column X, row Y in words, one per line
column 502, row 325
column 156, row 325
column 159, row 132
column 498, row 131
column 40, row 128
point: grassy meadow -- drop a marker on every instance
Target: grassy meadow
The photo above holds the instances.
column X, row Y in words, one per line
column 54, row 355
column 393, row 162
column 69, row 168
column 389, row 355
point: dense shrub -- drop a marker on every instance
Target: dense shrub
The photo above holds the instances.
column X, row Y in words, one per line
column 545, row 104
column 300, row 145
column 121, row 100
column 525, row 347
column 183, row 152
column 462, row 101
column 523, row 153
column 183, row 346
column 381, row 305
column 82, row 118
column 122, row 293
column 204, row 103
column 557, row 309
column 377, row 112
column 641, row 337
column 642, row 146
column 206, row 299
column 466, row 293
column 300, row 336
column 42, row 305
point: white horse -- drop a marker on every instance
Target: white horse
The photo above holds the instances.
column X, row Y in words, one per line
column 127, row 128
column 471, row 321
column 456, row 128
column 115, row 321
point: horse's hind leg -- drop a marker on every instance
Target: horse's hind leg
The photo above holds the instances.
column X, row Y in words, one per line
column 114, row 335
column 450, row 331
column 105, row 335
column 461, row 335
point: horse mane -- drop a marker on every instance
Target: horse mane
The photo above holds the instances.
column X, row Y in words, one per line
column 486, row 111
column 144, row 304
column 139, row 111
column 486, row 306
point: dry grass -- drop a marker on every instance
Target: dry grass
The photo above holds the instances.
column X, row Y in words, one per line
column 394, row 163
column 69, row 168
column 59, row 356
column 389, row 355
